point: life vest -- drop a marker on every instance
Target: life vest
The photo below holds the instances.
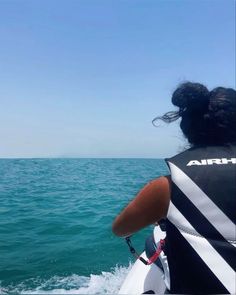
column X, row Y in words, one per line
column 201, row 230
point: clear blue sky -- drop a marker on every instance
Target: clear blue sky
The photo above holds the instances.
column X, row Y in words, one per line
column 85, row 78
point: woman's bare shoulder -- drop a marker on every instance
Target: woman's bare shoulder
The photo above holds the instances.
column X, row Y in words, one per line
column 150, row 205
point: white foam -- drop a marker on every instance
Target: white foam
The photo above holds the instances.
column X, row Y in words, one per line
column 104, row 283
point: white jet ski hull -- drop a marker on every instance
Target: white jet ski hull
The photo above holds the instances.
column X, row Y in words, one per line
column 143, row 278
column 147, row 278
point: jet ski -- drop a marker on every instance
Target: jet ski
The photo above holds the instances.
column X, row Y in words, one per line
column 150, row 272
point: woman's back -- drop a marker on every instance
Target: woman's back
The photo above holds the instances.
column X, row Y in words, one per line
column 201, row 220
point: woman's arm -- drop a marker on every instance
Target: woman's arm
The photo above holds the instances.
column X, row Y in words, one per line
column 150, row 205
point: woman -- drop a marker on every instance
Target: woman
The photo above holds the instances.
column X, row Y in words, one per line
column 198, row 199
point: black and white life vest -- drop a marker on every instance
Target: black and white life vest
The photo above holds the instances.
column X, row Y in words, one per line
column 201, row 231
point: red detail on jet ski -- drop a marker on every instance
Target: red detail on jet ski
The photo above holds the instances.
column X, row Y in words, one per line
column 159, row 249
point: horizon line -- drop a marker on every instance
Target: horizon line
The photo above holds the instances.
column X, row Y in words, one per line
column 77, row 157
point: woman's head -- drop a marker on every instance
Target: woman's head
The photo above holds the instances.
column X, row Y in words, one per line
column 207, row 117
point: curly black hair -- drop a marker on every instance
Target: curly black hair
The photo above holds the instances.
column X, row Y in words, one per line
column 207, row 117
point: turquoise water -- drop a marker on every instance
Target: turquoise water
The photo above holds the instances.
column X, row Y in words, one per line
column 55, row 223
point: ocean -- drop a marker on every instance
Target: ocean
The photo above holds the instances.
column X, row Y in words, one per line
column 55, row 223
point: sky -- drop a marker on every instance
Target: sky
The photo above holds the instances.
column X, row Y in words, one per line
column 85, row 78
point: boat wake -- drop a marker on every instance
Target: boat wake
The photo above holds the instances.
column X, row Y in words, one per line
column 104, row 283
